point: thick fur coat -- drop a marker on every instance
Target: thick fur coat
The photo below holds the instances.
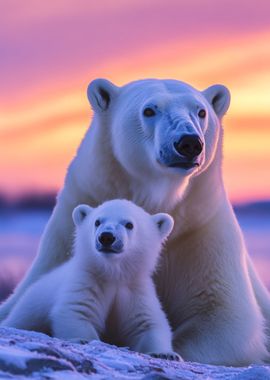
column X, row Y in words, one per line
column 105, row 291
column 217, row 306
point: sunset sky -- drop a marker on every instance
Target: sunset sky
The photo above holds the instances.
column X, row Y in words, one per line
column 51, row 50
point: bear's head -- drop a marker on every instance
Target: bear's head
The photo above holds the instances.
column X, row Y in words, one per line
column 119, row 236
column 163, row 132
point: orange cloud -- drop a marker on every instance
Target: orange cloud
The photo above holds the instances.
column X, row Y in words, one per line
column 41, row 130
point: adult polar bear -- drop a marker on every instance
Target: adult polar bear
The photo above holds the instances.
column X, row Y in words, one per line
column 159, row 144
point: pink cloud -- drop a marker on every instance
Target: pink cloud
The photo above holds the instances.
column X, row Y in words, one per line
column 44, row 40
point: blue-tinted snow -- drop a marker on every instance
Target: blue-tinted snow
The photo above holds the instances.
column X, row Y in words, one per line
column 37, row 356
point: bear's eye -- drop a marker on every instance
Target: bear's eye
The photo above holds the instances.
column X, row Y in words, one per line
column 129, row 225
column 202, row 113
column 149, row 112
column 97, row 223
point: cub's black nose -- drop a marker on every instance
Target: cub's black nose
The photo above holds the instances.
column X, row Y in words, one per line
column 189, row 146
column 106, row 239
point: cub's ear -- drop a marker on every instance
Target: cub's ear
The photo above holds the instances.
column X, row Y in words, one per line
column 79, row 213
column 164, row 223
column 100, row 94
column 219, row 97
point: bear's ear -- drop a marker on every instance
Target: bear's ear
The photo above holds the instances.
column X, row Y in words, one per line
column 79, row 213
column 164, row 223
column 100, row 94
column 219, row 97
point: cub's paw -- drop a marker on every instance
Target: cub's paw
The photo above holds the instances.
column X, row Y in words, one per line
column 166, row 355
column 79, row 341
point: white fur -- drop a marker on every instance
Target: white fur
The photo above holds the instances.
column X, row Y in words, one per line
column 206, row 283
column 104, row 295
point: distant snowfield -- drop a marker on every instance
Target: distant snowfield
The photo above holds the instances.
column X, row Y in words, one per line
column 31, row 355
column 256, row 229
column 20, row 234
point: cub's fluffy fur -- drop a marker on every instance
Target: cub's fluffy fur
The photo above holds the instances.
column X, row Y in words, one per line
column 105, row 291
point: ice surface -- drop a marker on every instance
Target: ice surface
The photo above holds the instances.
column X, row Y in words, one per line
column 32, row 355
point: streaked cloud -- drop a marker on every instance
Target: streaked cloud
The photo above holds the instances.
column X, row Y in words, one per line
column 50, row 51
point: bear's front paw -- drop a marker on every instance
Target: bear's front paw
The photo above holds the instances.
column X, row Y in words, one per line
column 166, row 355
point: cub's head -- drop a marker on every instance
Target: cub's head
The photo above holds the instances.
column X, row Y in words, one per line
column 118, row 235
column 162, row 130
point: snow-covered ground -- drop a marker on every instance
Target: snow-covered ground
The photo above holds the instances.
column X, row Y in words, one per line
column 33, row 355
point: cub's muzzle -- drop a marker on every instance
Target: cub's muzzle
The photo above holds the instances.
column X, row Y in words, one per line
column 108, row 243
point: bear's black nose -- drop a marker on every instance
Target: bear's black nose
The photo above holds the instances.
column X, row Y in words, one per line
column 106, row 239
column 189, row 146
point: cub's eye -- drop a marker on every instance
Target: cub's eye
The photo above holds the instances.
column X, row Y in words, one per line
column 202, row 113
column 97, row 223
column 129, row 225
column 149, row 112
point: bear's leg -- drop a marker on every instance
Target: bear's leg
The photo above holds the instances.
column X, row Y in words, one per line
column 207, row 291
column 32, row 310
column 262, row 297
column 54, row 249
column 26, row 321
column 221, row 340
column 74, row 326
column 146, row 327
column 153, row 342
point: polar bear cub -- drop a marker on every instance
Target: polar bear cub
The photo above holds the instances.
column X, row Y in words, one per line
column 105, row 291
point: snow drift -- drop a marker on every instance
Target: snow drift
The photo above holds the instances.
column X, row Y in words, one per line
column 25, row 354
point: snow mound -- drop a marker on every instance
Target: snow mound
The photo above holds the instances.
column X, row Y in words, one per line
column 32, row 355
